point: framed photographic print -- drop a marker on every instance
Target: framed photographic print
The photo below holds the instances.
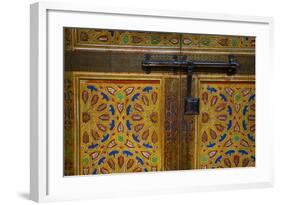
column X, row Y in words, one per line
column 128, row 102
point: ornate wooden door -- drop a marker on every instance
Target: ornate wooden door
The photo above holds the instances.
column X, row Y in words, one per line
column 119, row 119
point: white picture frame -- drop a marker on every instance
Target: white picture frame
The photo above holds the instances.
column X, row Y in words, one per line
column 47, row 182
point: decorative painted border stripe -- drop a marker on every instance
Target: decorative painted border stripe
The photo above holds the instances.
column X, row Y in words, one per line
column 123, row 81
column 97, row 39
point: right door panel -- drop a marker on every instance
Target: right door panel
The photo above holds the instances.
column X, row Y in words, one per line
column 226, row 124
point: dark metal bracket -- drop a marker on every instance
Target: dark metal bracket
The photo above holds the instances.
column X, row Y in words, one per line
column 181, row 63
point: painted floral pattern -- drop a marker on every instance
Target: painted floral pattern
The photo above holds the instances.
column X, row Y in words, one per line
column 226, row 125
column 120, row 126
column 92, row 38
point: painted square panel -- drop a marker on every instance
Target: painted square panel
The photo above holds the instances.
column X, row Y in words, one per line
column 120, row 128
column 226, row 124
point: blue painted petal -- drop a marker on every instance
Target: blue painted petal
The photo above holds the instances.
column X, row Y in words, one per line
column 93, row 146
column 135, row 97
column 135, row 137
column 128, row 124
column 113, row 153
column 230, row 152
column 245, row 110
column 229, row 125
column 92, row 87
column 147, row 145
column 95, row 171
column 252, row 97
column 147, row 89
column 212, row 90
column 218, row 160
column 244, row 125
column 112, row 124
column 222, row 137
column 242, row 152
column 140, row 160
column 101, row 160
column 223, row 97
column 104, row 96
column 111, row 109
column 251, row 137
column 105, row 137
column 211, row 145
column 128, row 109
column 229, row 110
column 128, row 153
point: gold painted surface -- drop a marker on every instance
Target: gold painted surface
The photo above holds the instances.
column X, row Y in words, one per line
column 69, row 145
column 177, row 146
column 96, row 37
column 120, row 126
column 118, row 40
column 187, row 155
column 217, row 41
column 172, row 123
column 226, row 124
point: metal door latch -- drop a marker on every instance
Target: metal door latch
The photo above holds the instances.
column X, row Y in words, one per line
column 191, row 104
column 181, row 63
